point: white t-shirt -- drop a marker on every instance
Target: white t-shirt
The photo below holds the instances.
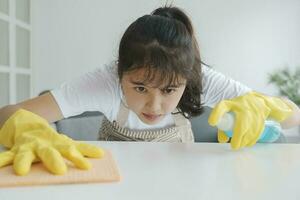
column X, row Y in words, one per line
column 100, row 91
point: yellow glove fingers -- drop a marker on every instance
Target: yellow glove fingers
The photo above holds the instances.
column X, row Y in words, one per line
column 239, row 130
column 218, row 111
column 23, row 161
column 222, row 137
column 52, row 160
column 259, row 127
column 246, row 138
column 6, row 158
column 72, row 154
column 90, row 151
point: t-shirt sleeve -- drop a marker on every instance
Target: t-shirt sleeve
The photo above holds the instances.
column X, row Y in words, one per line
column 217, row 87
column 94, row 91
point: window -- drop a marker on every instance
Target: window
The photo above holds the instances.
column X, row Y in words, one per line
column 15, row 51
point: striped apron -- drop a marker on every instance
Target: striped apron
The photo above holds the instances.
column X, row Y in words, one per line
column 114, row 131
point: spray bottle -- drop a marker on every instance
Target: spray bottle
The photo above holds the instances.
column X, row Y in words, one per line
column 270, row 133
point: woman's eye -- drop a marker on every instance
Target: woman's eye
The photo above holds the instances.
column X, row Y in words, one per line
column 168, row 91
column 140, row 89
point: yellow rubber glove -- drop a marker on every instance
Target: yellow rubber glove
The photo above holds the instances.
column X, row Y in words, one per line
column 30, row 138
column 251, row 111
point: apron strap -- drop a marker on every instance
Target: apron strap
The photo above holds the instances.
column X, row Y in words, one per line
column 184, row 128
column 179, row 119
column 122, row 114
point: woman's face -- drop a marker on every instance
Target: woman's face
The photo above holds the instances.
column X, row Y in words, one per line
column 150, row 103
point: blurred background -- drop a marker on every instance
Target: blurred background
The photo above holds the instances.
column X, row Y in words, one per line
column 46, row 42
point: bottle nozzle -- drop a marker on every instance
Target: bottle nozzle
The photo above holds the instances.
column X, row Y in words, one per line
column 226, row 122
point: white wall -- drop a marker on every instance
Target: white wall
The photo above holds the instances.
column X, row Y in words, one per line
column 243, row 39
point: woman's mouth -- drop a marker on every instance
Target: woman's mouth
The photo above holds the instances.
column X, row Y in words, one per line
column 151, row 117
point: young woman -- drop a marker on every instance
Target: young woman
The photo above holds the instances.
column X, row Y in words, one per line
column 156, row 85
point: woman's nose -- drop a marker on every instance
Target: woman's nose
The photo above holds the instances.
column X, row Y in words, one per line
column 154, row 105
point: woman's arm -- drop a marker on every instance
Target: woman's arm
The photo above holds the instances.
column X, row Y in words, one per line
column 44, row 106
column 294, row 119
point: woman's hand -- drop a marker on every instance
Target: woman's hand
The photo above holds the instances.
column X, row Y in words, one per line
column 30, row 138
column 251, row 110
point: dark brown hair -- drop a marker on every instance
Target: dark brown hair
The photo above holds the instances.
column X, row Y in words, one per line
column 164, row 44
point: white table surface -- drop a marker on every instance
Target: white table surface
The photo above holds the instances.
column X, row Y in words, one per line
column 186, row 171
